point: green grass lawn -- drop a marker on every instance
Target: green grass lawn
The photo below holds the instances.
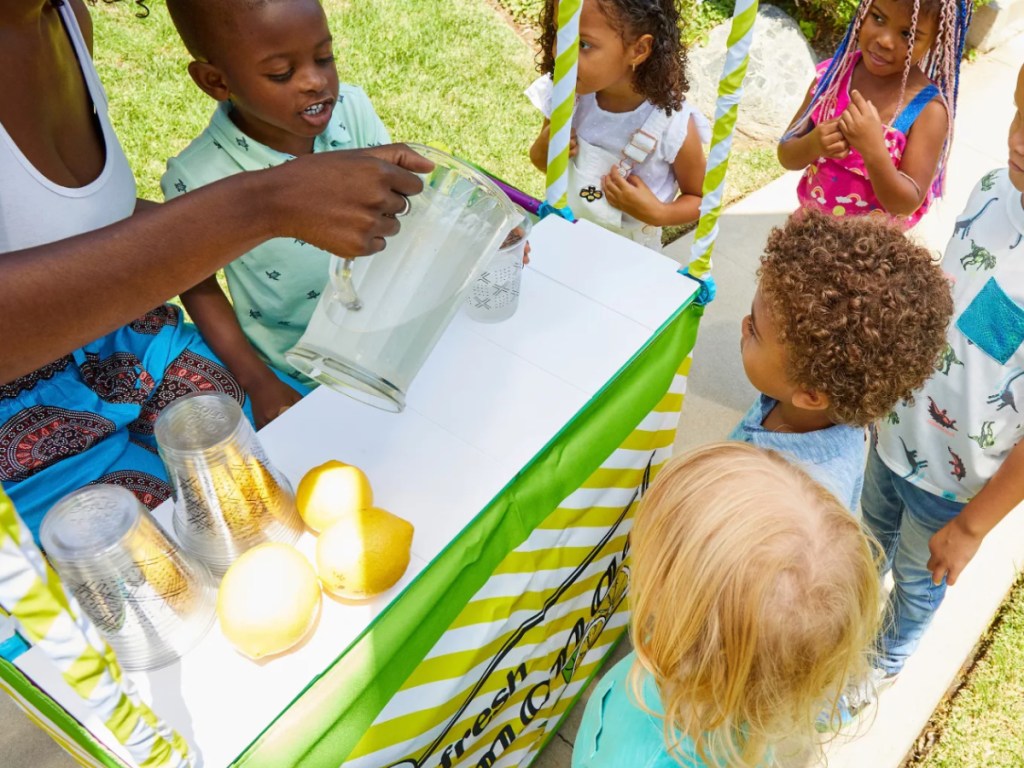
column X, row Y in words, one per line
column 983, row 723
column 450, row 72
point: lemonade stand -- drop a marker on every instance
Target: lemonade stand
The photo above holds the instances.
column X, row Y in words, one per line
column 519, row 458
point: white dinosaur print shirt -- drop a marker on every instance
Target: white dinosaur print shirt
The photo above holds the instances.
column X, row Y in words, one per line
column 968, row 416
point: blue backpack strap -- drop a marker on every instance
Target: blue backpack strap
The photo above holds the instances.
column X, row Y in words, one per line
column 906, row 118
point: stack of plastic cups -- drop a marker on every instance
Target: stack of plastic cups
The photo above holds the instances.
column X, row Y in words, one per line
column 494, row 295
column 149, row 600
column 228, row 496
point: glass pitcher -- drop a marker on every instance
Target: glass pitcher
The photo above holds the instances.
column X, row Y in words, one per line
column 409, row 292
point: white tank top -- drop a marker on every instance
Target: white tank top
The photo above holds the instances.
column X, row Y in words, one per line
column 34, row 210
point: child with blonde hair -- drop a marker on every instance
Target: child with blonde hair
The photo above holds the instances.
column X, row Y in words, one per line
column 755, row 599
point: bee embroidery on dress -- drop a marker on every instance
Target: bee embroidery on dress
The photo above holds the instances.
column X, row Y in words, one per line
column 591, row 193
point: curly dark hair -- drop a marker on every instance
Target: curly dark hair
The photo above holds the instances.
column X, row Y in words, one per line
column 661, row 79
column 861, row 311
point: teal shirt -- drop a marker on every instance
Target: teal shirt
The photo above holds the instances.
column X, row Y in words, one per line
column 616, row 733
column 276, row 286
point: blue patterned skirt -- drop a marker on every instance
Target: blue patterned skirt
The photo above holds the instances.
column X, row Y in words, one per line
column 88, row 417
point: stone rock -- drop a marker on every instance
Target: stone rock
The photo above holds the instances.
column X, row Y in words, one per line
column 996, row 23
column 780, row 71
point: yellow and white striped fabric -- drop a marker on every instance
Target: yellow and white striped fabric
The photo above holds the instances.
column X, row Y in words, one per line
column 510, row 666
column 47, row 617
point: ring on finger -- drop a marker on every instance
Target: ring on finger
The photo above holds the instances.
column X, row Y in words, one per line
column 406, row 208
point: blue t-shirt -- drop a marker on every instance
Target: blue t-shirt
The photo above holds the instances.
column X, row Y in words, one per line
column 616, row 733
column 833, row 456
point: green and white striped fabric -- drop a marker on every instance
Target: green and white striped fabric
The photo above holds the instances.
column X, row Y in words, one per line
column 48, row 618
column 528, row 642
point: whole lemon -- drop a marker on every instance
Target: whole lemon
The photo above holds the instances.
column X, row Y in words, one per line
column 364, row 554
column 268, row 600
column 330, row 491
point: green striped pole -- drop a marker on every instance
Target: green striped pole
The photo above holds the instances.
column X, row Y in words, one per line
column 563, row 100
column 730, row 90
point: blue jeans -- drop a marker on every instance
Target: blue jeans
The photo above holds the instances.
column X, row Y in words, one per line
column 903, row 518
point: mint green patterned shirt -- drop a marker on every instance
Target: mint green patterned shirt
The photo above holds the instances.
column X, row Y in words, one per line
column 275, row 286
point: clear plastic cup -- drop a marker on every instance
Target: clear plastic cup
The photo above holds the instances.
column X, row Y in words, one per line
column 149, row 600
column 228, row 496
column 494, row 295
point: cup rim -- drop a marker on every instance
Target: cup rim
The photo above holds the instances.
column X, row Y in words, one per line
column 165, row 441
column 60, row 551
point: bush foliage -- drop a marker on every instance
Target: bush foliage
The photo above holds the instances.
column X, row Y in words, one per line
column 825, row 21
column 822, row 21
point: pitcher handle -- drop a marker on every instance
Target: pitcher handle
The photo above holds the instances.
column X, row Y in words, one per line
column 340, row 273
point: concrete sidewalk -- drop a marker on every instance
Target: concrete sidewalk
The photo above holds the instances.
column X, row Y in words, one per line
column 718, row 395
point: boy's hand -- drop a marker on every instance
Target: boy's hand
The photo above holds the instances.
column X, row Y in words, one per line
column 831, row 140
column 952, row 548
column 270, row 398
column 861, row 125
column 631, row 195
column 574, row 146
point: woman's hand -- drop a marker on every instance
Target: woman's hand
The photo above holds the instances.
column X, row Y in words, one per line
column 631, row 195
column 270, row 398
column 862, row 126
column 345, row 202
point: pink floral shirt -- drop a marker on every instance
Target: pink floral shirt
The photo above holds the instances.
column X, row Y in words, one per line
column 842, row 187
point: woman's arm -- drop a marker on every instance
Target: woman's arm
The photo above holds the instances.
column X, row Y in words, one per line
column 213, row 315
column 56, row 297
column 900, row 191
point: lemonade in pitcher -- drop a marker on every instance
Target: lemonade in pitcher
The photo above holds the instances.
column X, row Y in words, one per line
column 409, row 292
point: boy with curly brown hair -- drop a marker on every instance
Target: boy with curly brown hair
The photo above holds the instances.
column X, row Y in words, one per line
column 848, row 320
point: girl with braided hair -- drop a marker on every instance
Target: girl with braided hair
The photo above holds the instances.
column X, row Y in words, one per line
column 637, row 160
column 874, row 133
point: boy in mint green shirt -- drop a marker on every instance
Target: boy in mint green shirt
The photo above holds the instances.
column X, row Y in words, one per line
column 272, row 70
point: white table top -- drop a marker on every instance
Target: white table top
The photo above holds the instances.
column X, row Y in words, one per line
column 488, row 399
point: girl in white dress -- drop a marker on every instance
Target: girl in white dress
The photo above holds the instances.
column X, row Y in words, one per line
column 638, row 164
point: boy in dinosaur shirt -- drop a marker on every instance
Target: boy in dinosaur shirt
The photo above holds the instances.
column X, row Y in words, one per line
column 945, row 470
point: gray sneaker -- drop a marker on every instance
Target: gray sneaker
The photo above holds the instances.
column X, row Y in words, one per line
column 854, row 701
